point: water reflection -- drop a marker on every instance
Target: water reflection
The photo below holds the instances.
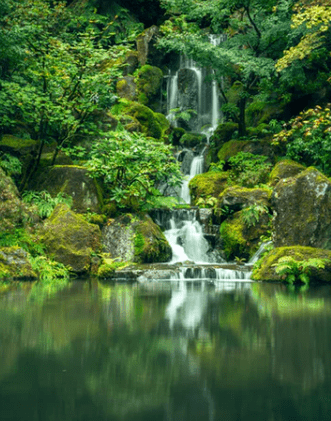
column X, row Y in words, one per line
column 165, row 351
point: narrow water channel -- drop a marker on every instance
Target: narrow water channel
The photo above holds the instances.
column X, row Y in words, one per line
column 170, row 351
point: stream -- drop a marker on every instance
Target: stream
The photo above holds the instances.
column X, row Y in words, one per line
column 165, row 351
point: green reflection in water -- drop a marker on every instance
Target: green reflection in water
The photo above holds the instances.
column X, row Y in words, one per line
column 165, row 351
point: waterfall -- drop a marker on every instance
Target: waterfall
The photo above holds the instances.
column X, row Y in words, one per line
column 196, row 168
column 186, row 238
column 188, row 88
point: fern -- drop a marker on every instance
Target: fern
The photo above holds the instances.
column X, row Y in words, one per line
column 45, row 202
column 292, row 270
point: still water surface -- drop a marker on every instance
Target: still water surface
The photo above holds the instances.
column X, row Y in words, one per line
column 165, row 351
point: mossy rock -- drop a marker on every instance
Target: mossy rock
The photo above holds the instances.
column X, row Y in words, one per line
column 46, row 159
column 223, row 133
column 149, row 122
column 236, row 198
column 302, row 206
column 126, row 88
column 13, row 212
column 191, row 140
column 70, row 239
column 230, row 149
column 164, row 123
column 15, row 265
column 73, row 180
column 258, row 147
column 209, row 184
column 265, row 269
column 108, row 268
column 145, row 44
column 284, row 169
column 149, row 80
column 239, row 239
column 17, row 146
column 135, row 238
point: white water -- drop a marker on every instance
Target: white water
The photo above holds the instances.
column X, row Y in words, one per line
column 187, row 241
column 196, row 168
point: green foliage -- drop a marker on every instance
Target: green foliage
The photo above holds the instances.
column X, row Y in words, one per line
column 251, row 215
column 308, row 138
column 45, row 202
column 21, row 238
column 206, row 202
column 131, row 166
column 48, row 270
column 67, row 73
column 177, row 114
column 10, row 164
column 293, row 271
column 249, row 170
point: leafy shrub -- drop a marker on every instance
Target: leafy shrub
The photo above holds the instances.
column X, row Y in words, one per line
column 10, row 164
column 48, row 270
column 249, row 170
column 20, row 237
column 45, row 202
column 251, row 215
column 308, row 138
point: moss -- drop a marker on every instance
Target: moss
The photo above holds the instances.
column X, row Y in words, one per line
column 148, row 80
column 146, row 117
column 264, row 269
column 207, row 184
column 234, row 243
column 284, row 169
column 70, row 239
column 108, row 267
column 163, row 121
column 121, row 84
column 237, row 197
column 223, row 133
column 190, row 140
column 15, row 265
column 17, row 143
column 150, row 245
column 230, row 149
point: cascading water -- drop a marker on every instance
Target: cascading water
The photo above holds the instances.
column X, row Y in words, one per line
column 196, row 168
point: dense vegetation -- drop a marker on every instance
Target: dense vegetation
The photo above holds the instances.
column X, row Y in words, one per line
column 63, row 64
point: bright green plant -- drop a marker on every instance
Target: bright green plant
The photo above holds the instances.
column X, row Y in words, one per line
column 45, row 202
column 307, row 138
column 249, row 170
column 132, row 166
column 251, row 215
column 49, row 270
column 206, row 202
column 293, row 271
column 10, row 164
column 20, row 237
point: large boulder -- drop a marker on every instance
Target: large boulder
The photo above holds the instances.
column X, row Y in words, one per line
column 206, row 185
column 15, row 265
column 265, row 270
column 135, row 238
column 284, row 169
column 73, row 180
column 236, row 198
column 70, row 239
column 149, row 80
column 302, row 210
column 13, row 212
column 126, row 88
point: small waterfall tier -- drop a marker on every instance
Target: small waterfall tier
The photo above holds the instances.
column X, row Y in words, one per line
column 197, row 167
column 185, row 236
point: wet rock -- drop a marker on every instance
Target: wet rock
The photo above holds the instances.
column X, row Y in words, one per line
column 135, row 238
column 70, row 239
column 302, row 210
column 15, row 265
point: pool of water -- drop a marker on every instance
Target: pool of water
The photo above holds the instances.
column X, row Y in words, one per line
column 165, row 351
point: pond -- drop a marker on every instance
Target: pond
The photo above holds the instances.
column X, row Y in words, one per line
column 165, row 351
